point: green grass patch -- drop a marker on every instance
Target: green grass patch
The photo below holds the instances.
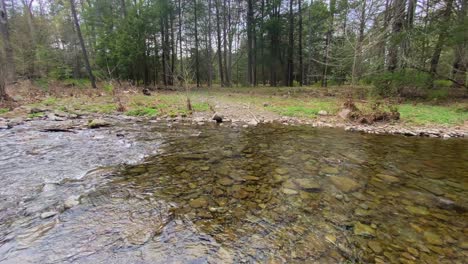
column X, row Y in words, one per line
column 4, row 110
column 143, row 111
column 50, row 101
column 35, row 115
column 201, row 107
column 295, row 111
column 429, row 114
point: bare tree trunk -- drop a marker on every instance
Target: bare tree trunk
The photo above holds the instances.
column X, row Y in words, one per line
column 442, row 37
column 10, row 71
column 3, row 94
column 123, row 8
column 328, row 40
column 460, row 63
column 301, row 64
column 250, row 36
column 83, row 48
column 210, row 49
column 225, row 42
column 357, row 63
column 180, row 39
column 164, row 51
column 290, row 71
column 173, row 47
column 398, row 18
column 218, row 31
column 197, row 66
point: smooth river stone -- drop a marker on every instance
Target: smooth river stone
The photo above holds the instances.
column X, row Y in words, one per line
column 226, row 181
column 363, row 230
column 375, row 246
column 307, row 184
column 198, row 202
column 433, row 238
column 345, row 184
column 387, row 178
column 418, row 210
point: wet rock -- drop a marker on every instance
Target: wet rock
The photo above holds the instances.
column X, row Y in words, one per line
column 217, row 117
column 281, row 171
column 226, row 181
column 418, row 210
column 48, row 214
column 361, row 212
column 345, row 184
column 387, row 178
column 72, row 201
column 251, row 178
column 329, row 170
column 413, row 251
column 97, row 123
column 375, row 246
column 463, row 245
column 433, row 238
column 198, row 202
column 331, row 238
column 240, row 194
column 307, row 184
column 205, row 168
column 289, row 191
column 4, row 125
column 363, row 230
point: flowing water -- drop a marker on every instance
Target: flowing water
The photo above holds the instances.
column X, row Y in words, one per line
column 215, row 194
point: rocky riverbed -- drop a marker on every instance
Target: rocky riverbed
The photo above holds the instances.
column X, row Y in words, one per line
column 153, row 191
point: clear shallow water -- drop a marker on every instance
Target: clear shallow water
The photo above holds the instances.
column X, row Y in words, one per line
column 270, row 194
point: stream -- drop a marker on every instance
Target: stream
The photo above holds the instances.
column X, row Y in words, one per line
column 157, row 192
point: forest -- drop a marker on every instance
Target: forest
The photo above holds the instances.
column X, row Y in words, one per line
column 398, row 46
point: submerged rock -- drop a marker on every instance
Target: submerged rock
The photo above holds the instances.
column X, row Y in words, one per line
column 418, row 210
column 289, row 191
column 433, row 238
column 375, row 246
column 48, row 214
column 226, row 181
column 363, row 230
column 198, row 202
column 345, row 184
column 72, row 201
column 307, row 184
column 387, row 178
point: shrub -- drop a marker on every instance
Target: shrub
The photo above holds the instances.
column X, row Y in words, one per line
column 404, row 83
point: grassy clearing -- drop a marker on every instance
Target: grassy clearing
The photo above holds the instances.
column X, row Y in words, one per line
column 302, row 102
column 429, row 114
column 4, row 110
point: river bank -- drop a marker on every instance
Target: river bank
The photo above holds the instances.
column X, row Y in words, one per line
column 242, row 107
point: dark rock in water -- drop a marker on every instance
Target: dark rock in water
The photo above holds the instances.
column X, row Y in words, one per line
column 218, row 118
column 146, row 92
column 4, row 125
column 120, row 135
